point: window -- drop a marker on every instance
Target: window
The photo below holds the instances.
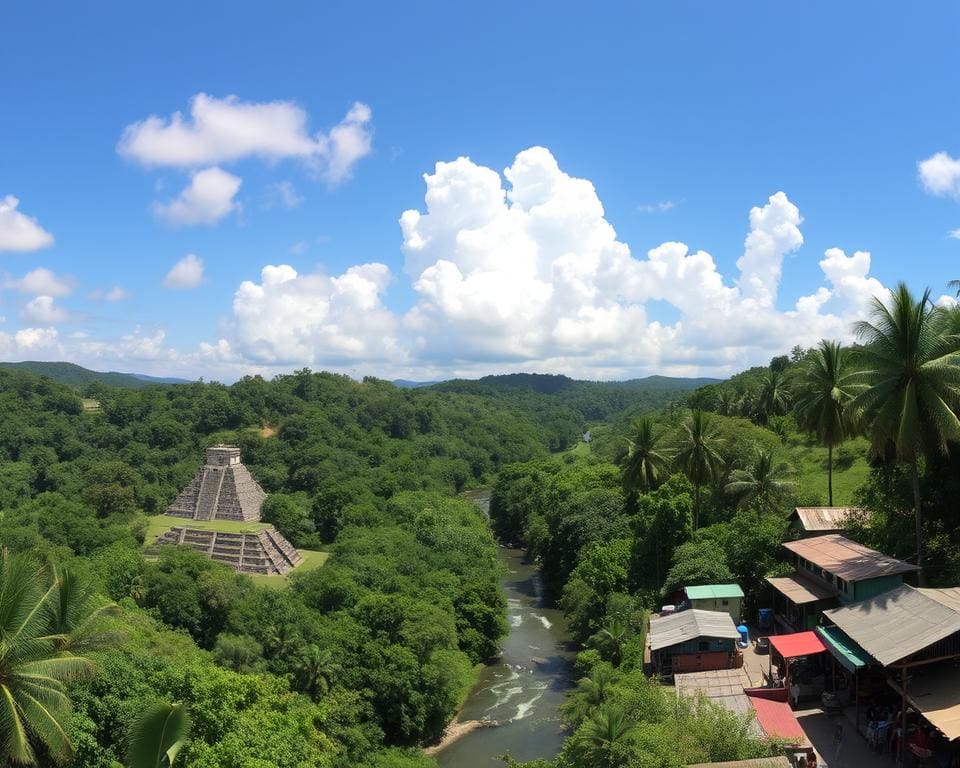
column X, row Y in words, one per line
column 724, row 602
column 703, row 646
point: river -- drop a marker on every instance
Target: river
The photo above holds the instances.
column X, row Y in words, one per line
column 522, row 691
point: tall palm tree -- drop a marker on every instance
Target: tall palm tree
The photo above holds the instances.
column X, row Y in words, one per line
column 607, row 727
column 34, row 672
column 315, row 670
column 912, row 372
column 590, row 693
column 827, row 387
column 764, row 482
column 698, row 456
column 644, row 467
column 158, row 735
column 774, row 397
column 611, row 639
column 77, row 613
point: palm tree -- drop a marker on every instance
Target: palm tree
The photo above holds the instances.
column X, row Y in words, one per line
column 697, row 455
column 912, row 372
column 828, row 387
column 727, row 402
column 77, row 613
column 611, row 639
column 315, row 670
column 774, row 398
column 158, row 736
column 643, row 465
column 34, row 672
column 764, row 482
column 607, row 727
column 590, row 693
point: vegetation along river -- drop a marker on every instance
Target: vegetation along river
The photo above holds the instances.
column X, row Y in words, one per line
column 522, row 691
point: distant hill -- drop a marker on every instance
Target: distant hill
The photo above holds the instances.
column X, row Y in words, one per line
column 407, row 384
column 550, row 384
column 76, row 376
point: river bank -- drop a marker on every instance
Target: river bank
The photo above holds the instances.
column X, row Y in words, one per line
column 514, row 707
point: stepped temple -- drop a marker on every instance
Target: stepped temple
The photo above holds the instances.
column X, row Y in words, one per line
column 224, row 490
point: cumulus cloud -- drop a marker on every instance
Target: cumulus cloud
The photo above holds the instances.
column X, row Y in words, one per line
column 19, row 232
column 954, row 234
column 43, row 281
column 227, row 130
column 206, row 200
column 42, row 310
column 940, row 175
column 186, row 273
column 293, row 319
column 31, row 342
column 531, row 272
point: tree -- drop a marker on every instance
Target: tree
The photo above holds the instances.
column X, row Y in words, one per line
column 315, row 670
column 34, row 706
column 698, row 456
column 590, row 693
column 774, row 398
column 697, row 562
column 828, row 386
column 912, row 375
column 610, row 640
column 763, row 484
column 157, row 737
column 76, row 614
column 643, row 465
column 606, row 729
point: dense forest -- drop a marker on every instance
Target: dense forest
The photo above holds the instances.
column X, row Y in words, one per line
column 355, row 663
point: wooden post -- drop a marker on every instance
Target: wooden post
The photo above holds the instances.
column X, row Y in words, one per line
column 856, row 684
column 903, row 714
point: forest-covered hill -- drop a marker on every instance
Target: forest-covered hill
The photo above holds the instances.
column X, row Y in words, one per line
column 79, row 377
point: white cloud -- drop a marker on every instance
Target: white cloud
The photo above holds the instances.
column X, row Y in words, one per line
column 288, row 318
column 43, row 311
column 43, row 281
column 19, row 232
column 186, row 273
column 227, row 130
column 33, row 342
column 533, row 275
column 662, row 207
column 206, row 200
column 954, row 234
column 116, row 293
column 940, row 175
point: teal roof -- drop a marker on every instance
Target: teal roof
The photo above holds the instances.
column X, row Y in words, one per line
column 842, row 648
column 708, row 591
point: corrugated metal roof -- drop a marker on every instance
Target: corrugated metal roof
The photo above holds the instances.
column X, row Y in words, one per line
column 800, row 590
column 688, row 625
column 899, row 623
column 845, row 558
column 707, row 591
column 823, row 518
column 757, row 762
column 778, row 720
column 935, row 691
column 722, row 686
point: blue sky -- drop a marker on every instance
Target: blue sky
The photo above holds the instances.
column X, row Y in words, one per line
column 683, row 117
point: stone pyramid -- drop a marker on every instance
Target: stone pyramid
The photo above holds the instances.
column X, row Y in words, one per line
column 223, row 489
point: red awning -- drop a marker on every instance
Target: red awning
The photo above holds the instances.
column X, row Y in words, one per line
column 778, row 721
column 797, row 644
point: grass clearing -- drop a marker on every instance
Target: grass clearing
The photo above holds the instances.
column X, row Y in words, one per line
column 312, row 559
column 159, row 524
column 809, row 462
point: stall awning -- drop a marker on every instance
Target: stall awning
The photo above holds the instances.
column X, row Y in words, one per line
column 797, row 644
column 935, row 692
column 850, row 655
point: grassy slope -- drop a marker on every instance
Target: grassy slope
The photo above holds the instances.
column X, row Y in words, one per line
column 809, row 461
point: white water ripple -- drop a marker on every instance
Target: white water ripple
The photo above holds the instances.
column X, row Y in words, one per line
column 543, row 620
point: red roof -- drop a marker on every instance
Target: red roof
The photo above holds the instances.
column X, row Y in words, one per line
column 777, row 720
column 797, row 644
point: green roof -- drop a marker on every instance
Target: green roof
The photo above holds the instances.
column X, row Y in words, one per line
column 843, row 649
column 708, row 591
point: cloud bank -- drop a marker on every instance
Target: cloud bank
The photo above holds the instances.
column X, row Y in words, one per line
column 19, row 232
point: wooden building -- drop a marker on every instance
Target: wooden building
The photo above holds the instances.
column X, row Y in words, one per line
column 693, row 641
column 717, row 597
column 817, row 521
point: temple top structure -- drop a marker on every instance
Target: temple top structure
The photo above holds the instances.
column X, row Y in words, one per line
column 222, row 489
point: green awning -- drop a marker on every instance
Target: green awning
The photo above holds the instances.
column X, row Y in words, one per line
column 850, row 655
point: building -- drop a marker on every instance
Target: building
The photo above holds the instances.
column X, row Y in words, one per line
column 225, row 501
column 817, row 521
column 693, row 641
column 722, row 686
column 757, row 762
column 831, row 571
column 717, row 597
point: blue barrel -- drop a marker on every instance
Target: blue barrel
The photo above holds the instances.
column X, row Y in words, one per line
column 744, row 635
column 765, row 618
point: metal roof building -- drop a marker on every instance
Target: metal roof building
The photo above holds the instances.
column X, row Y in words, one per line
column 757, row 762
column 900, row 623
column 714, row 591
column 847, row 559
column 822, row 519
column 677, row 628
